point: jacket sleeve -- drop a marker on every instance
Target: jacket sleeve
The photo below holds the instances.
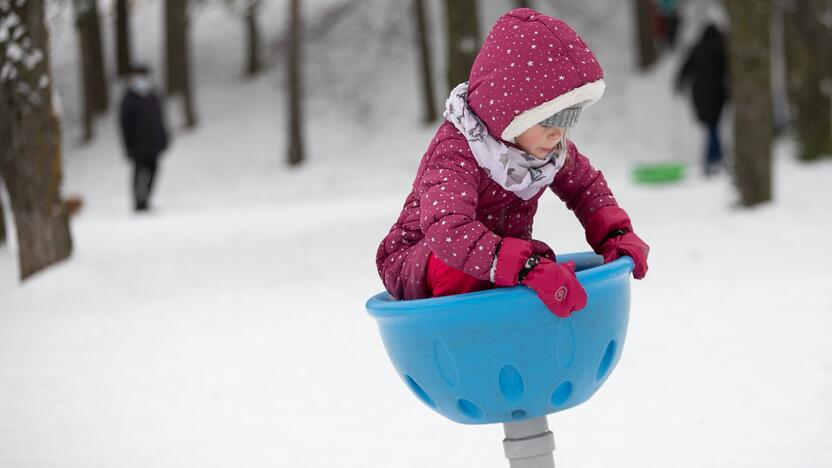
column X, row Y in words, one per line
column 448, row 199
column 582, row 187
column 164, row 138
column 685, row 72
column 126, row 116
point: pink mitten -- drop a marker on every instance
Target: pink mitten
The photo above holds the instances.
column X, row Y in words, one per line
column 610, row 234
column 627, row 244
column 511, row 258
column 557, row 286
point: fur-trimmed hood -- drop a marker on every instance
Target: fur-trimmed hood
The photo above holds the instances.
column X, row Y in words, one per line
column 530, row 67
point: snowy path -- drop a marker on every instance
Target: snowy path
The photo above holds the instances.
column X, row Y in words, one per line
column 243, row 346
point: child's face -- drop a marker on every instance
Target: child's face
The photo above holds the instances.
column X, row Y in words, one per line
column 539, row 141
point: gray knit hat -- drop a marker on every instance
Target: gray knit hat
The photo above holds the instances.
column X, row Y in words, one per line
column 566, row 118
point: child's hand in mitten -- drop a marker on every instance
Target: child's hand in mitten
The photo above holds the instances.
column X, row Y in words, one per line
column 557, row 286
column 627, row 244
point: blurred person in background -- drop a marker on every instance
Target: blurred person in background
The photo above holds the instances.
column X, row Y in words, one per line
column 705, row 67
column 668, row 22
column 143, row 132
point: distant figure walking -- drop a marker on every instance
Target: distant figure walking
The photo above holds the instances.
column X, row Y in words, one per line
column 143, row 132
column 705, row 66
column 669, row 22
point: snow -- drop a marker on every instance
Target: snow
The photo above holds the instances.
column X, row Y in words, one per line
column 227, row 327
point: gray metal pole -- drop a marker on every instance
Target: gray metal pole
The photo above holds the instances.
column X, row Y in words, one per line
column 529, row 444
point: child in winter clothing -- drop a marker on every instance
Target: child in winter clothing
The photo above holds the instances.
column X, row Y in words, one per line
column 467, row 223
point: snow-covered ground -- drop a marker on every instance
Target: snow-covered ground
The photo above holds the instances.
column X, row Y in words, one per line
column 227, row 327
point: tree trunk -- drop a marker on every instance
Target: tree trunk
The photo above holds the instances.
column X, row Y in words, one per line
column 123, row 53
column 253, row 39
column 750, row 67
column 2, row 224
column 30, row 157
column 808, row 44
column 178, row 53
column 647, row 53
column 428, row 107
column 522, row 4
column 174, row 45
column 463, row 39
column 86, row 50
column 99, row 76
column 92, row 58
column 296, row 150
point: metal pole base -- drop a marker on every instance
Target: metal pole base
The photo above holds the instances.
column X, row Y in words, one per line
column 529, row 444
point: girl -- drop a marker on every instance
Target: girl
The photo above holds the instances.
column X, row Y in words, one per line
column 467, row 223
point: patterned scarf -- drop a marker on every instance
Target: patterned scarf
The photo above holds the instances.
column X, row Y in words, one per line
column 515, row 170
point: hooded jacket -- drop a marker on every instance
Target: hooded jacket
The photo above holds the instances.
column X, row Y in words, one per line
column 530, row 67
column 143, row 127
column 706, row 67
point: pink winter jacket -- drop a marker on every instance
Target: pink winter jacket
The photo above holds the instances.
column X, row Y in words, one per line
column 455, row 209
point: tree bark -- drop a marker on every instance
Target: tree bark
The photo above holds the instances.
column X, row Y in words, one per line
column 100, row 89
column 177, row 52
column 750, row 69
column 30, row 158
column 174, row 45
column 296, row 147
column 89, row 32
column 647, row 53
column 428, row 105
column 2, row 224
column 86, row 48
column 463, row 39
column 252, row 39
column 522, row 4
column 122, row 29
column 808, row 44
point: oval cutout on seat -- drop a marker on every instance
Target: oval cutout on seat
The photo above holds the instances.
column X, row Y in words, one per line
column 565, row 342
column 561, row 394
column 445, row 363
column 511, row 383
column 606, row 360
column 469, row 408
column 418, row 391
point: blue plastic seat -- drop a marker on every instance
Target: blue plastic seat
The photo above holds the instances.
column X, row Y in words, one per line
column 500, row 355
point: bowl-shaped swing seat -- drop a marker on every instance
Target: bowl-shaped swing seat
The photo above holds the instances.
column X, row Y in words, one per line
column 500, row 356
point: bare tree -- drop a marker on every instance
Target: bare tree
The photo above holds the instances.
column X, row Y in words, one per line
column 177, row 53
column 808, row 45
column 88, row 23
column 750, row 69
column 295, row 117
column 86, row 19
column 647, row 53
column 122, row 32
column 252, row 38
column 101, row 91
column 30, row 137
column 428, row 107
column 462, row 25
column 174, row 45
column 2, row 224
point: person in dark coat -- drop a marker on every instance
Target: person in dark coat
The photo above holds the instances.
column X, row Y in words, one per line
column 143, row 132
column 705, row 67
